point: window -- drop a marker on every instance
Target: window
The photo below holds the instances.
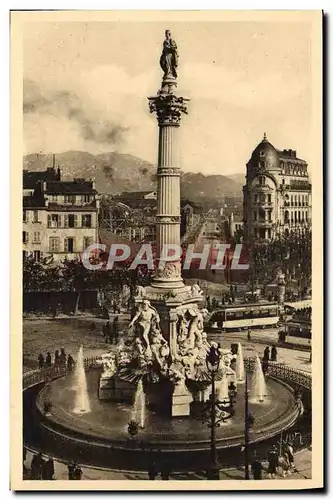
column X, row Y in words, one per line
column 86, row 198
column 25, row 237
column 69, row 199
column 87, row 241
column 71, row 220
column 37, row 237
column 283, row 182
column 53, row 197
column 269, row 233
column 25, row 215
column 256, row 196
column 24, row 255
column 53, row 220
column 69, row 245
column 269, row 198
column 37, row 255
column 262, row 180
column 35, row 215
column 86, row 220
column 262, row 198
column 54, row 244
column 254, row 215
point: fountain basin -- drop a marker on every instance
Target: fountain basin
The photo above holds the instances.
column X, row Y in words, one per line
column 103, row 431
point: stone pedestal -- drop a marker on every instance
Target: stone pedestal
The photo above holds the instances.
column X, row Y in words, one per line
column 181, row 401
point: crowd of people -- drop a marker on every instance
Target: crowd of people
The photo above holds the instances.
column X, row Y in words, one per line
column 43, row 468
column 278, row 460
column 60, row 359
column 40, row 468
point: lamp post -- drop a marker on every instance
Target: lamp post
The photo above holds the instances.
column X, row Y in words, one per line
column 213, row 359
column 248, row 422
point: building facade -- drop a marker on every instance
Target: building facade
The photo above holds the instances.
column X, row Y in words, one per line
column 60, row 218
column 277, row 193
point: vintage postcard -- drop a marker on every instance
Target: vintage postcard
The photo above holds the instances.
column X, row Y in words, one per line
column 166, row 250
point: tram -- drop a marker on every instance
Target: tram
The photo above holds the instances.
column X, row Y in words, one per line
column 244, row 316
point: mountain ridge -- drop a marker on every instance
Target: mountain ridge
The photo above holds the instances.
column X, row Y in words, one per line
column 117, row 172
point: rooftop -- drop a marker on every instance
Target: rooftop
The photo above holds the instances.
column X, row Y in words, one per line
column 77, row 186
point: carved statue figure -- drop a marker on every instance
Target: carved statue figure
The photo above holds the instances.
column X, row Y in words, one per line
column 144, row 318
column 140, row 291
column 109, row 364
column 196, row 291
column 169, row 57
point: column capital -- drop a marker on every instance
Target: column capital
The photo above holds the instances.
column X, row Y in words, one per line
column 168, row 108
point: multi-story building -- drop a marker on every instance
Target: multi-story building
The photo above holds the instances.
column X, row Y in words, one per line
column 60, row 218
column 277, row 193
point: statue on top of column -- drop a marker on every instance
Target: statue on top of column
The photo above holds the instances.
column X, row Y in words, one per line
column 169, row 57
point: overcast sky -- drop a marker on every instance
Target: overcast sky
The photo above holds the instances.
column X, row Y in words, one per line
column 86, row 88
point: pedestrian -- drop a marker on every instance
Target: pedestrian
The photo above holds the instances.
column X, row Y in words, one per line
column 165, row 472
column 62, row 357
column 70, row 363
column 71, row 469
column 274, row 353
column 48, row 359
column 256, row 467
column 78, row 473
column 284, row 464
column 290, row 451
column 24, row 457
column 266, row 354
column 56, row 358
column 116, row 329
column 41, row 361
column 37, row 466
column 114, row 307
column 152, row 472
column 248, row 334
column 273, row 459
column 48, row 469
column 108, row 332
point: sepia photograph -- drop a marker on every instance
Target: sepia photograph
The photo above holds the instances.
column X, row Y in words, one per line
column 167, row 250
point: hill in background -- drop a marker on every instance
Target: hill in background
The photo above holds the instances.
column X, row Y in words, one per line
column 115, row 173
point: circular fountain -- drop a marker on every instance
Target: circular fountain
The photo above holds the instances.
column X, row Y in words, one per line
column 92, row 409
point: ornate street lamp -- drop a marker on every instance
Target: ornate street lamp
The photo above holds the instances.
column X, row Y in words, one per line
column 213, row 359
column 248, row 422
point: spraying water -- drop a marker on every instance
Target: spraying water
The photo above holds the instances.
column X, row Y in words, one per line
column 139, row 408
column 82, row 404
column 258, row 389
column 240, row 370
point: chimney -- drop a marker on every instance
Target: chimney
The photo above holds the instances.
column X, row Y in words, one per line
column 93, row 185
column 44, row 186
column 53, row 161
column 59, row 173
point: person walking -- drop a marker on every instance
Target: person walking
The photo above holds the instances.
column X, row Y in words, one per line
column 266, row 354
column 40, row 361
column 62, row 357
column 290, row 452
column 70, row 363
column 71, row 469
column 48, row 469
column 56, row 358
column 78, row 473
column 273, row 459
column 248, row 334
column 256, row 467
column 37, row 466
column 108, row 332
column 152, row 472
column 48, row 360
column 165, row 472
column 116, row 329
column 274, row 353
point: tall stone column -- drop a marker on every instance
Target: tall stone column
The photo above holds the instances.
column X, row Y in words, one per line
column 169, row 109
